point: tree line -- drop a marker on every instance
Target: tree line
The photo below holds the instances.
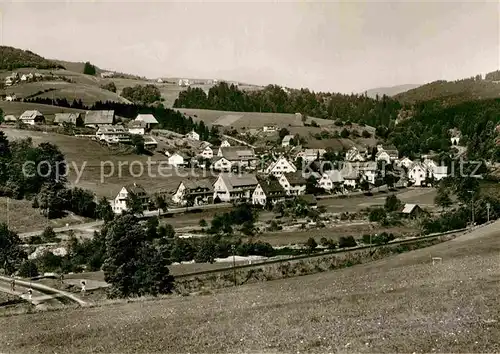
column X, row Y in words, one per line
column 274, row 99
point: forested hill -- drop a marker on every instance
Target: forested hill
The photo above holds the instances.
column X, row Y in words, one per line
column 428, row 130
column 274, row 99
column 455, row 92
column 13, row 58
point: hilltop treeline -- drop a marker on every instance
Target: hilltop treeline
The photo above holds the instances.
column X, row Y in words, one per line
column 167, row 118
column 454, row 92
column 429, row 129
column 13, row 58
column 274, row 99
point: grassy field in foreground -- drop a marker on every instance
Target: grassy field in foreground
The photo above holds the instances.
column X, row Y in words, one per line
column 399, row 304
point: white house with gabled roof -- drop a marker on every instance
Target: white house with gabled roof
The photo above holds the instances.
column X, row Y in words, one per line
column 225, row 143
column 280, row 166
column 207, row 152
column 417, row 173
column 331, row 179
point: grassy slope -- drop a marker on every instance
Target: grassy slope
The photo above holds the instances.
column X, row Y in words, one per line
column 17, row 108
column 23, row 218
column 399, row 304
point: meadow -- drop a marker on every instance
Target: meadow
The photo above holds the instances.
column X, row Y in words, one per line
column 402, row 303
column 86, row 154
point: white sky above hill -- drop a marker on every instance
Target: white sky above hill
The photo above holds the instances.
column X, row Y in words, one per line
column 327, row 46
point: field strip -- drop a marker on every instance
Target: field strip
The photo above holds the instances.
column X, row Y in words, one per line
column 227, row 119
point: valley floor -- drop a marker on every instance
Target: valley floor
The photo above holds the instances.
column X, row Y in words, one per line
column 399, row 304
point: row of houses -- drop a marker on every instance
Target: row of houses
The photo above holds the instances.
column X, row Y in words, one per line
column 16, row 78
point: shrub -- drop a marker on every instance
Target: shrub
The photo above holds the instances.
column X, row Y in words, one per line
column 347, row 241
column 28, row 269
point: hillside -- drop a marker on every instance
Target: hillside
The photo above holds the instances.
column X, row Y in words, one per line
column 390, row 91
column 452, row 92
column 402, row 303
column 14, row 58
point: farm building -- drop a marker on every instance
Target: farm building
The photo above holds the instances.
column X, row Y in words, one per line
column 98, row 118
column 71, row 118
column 10, row 118
column 207, row 152
column 331, row 179
column 148, row 119
column 32, row 117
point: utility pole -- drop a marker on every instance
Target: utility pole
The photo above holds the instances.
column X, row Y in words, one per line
column 488, row 206
column 472, row 207
column 234, row 264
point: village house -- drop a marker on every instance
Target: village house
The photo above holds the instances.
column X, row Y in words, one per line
column 177, row 159
column 293, row 183
column 287, row 139
column 280, row 166
column 194, row 192
column 193, row 135
column 412, row 211
column 241, row 156
column 234, row 187
column 32, row 117
column 10, row 98
column 354, row 155
column 70, row 118
column 113, row 134
column 331, row 180
column 440, row 172
column 137, row 127
column 221, row 164
column 207, row 153
column 10, row 118
column 266, row 192
column 383, row 155
column 309, row 155
column 95, row 119
column 417, row 173
column 148, row 119
column 391, row 151
column 269, row 128
column 404, row 162
column 455, row 136
column 119, row 204
column 367, row 170
column 350, row 174
column 225, row 143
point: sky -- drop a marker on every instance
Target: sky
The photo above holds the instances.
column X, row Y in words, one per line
column 325, row 46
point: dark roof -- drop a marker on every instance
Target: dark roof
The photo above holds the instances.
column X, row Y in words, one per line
column 238, row 153
column 194, row 184
column 136, row 189
column 99, row 117
column 271, row 186
column 295, row 178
